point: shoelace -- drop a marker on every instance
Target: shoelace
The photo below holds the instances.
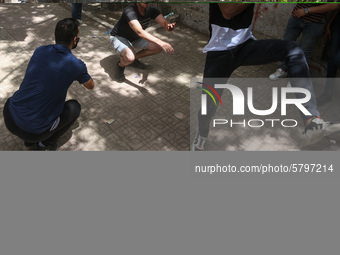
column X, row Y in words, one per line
column 201, row 141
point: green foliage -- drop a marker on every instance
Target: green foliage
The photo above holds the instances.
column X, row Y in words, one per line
column 275, row 1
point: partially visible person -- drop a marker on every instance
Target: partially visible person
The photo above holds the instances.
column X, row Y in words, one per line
column 332, row 33
column 37, row 111
column 232, row 45
column 129, row 35
column 307, row 19
column 77, row 11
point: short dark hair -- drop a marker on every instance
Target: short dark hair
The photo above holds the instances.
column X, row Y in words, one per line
column 66, row 30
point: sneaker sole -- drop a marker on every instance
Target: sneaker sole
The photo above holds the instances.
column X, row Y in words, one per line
column 276, row 78
column 196, row 149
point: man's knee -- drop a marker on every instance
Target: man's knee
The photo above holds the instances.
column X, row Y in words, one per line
column 294, row 48
column 128, row 56
column 158, row 49
column 73, row 108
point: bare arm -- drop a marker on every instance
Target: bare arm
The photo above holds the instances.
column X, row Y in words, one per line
column 327, row 27
column 231, row 10
column 316, row 9
column 164, row 23
column 333, row 16
column 136, row 26
column 89, row 84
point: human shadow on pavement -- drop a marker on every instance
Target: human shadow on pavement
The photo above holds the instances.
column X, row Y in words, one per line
column 108, row 65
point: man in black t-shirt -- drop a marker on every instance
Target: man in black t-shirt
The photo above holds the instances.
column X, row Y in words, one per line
column 129, row 34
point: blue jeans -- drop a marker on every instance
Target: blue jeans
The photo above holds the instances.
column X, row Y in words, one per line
column 310, row 33
column 334, row 60
column 76, row 10
column 221, row 64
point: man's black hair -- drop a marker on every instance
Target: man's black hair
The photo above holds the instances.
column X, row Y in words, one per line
column 66, row 30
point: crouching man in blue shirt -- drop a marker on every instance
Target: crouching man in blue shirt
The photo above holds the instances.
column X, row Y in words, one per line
column 37, row 112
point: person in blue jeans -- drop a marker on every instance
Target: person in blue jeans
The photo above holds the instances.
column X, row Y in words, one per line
column 232, row 45
column 309, row 20
column 76, row 11
column 334, row 59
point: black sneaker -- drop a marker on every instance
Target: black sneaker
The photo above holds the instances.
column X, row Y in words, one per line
column 50, row 147
column 138, row 64
column 119, row 73
column 37, row 147
column 53, row 147
column 323, row 99
column 199, row 143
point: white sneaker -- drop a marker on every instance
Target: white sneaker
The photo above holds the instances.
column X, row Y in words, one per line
column 278, row 74
column 199, row 142
column 318, row 128
column 314, row 129
column 331, row 129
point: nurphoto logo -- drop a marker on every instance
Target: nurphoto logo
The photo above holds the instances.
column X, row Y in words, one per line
column 240, row 103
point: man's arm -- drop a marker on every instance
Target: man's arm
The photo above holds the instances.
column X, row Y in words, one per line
column 89, row 84
column 136, row 26
column 164, row 23
column 328, row 33
column 231, row 10
column 316, row 9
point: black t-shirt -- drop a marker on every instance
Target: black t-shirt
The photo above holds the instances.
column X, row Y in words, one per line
column 240, row 21
column 122, row 28
column 227, row 34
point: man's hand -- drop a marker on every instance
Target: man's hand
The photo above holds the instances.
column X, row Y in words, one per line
column 299, row 13
column 167, row 47
column 164, row 23
column 323, row 8
column 170, row 26
column 89, row 84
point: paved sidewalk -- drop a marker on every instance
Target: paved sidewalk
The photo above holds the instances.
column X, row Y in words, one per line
column 151, row 110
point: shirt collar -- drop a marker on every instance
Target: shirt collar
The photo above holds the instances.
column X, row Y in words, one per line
column 61, row 48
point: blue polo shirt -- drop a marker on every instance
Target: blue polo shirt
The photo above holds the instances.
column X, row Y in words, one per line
column 41, row 96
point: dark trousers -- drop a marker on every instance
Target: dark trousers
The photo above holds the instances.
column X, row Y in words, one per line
column 311, row 31
column 221, row 64
column 334, row 59
column 69, row 115
column 76, row 10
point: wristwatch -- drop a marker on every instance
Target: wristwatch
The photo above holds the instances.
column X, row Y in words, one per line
column 306, row 10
